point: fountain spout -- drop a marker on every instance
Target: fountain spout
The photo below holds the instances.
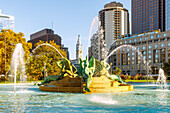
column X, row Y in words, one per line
column 162, row 79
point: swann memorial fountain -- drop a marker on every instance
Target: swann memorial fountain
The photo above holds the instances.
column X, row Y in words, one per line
column 92, row 77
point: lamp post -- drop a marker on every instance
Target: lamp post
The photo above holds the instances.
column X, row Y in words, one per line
column 147, row 70
column 5, row 55
column 155, row 70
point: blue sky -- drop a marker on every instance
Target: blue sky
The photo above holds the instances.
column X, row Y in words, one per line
column 69, row 17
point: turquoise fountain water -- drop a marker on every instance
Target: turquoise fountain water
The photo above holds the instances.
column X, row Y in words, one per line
column 144, row 98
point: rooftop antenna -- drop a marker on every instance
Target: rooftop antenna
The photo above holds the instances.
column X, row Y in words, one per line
column 52, row 25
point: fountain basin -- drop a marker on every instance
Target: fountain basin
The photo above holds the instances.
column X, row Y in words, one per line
column 77, row 85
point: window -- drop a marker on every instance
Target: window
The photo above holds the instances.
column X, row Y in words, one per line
column 143, row 47
column 150, row 56
column 135, row 40
column 133, row 53
column 156, row 51
column 133, row 49
column 145, row 57
column 152, row 37
column 133, row 58
column 125, row 42
column 130, row 41
column 133, row 62
column 127, row 49
column 149, row 51
column 156, row 46
column 138, row 48
column 146, row 38
column 163, row 50
column 140, row 39
column 149, row 46
column 144, row 52
column 158, row 36
column 156, row 56
column 168, row 54
column 162, row 45
column 164, row 34
column 133, row 67
column 169, row 44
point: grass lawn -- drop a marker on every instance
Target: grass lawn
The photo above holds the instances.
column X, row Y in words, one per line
column 143, row 80
column 11, row 82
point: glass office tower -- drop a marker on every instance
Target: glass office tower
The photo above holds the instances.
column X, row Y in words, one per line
column 148, row 15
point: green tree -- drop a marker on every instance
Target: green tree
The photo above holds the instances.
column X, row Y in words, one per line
column 8, row 41
column 44, row 56
column 166, row 67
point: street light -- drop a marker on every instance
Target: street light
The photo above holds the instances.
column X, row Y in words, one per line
column 155, row 70
column 5, row 55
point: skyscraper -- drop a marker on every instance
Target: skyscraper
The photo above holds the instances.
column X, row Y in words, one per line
column 44, row 35
column 115, row 22
column 148, row 15
column 167, row 15
column 6, row 21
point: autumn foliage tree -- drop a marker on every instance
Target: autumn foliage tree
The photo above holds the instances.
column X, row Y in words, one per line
column 8, row 41
column 44, row 57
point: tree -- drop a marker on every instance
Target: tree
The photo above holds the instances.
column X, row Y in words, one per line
column 166, row 67
column 44, row 57
column 8, row 41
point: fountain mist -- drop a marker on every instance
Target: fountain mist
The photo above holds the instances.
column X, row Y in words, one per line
column 162, row 79
column 18, row 63
column 50, row 46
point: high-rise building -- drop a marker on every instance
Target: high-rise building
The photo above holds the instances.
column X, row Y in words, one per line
column 98, row 45
column 6, row 21
column 167, row 15
column 147, row 15
column 115, row 22
column 47, row 35
column 44, row 35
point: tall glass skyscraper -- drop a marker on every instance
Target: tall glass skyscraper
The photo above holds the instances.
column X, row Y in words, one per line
column 167, row 15
column 6, row 21
column 148, row 15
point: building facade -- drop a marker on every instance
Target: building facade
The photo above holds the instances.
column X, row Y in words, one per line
column 115, row 22
column 6, row 21
column 47, row 35
column 148, row 49
column 147, row 15
column 98, row 45
column 44, row 35
column 66, row 50
column 167, row 15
